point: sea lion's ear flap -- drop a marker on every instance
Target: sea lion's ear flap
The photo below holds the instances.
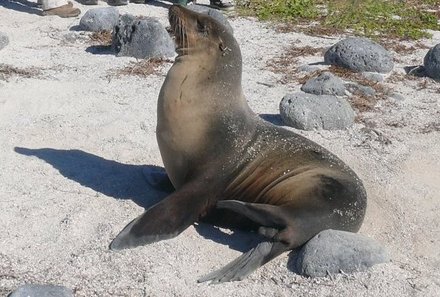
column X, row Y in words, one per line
column 223, row 48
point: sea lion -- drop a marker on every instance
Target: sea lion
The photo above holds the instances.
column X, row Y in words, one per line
column 231, row 168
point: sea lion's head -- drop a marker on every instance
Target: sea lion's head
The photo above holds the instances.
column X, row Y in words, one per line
column 201, row 35
column 207, row 71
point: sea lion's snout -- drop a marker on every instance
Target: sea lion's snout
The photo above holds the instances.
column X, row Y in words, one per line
column 173, row 12
column 175, row 8
column 197, row 32
column 178, row 20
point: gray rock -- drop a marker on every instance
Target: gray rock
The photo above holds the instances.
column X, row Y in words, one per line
column 372, row 76
column 432, row 62
column 397, row 96
column 333, row 251
column 307, row 68
column 4, row 40
column 41, row 291
column 360, row 55
column 99, row 19
column 142, row 38
column 355, row 88
column 89, row 2
column 325, row 84
column 308, row 112
column 118, row 2
column 214, row 13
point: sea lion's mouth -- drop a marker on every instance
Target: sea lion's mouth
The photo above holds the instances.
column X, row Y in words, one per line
column 179, row 29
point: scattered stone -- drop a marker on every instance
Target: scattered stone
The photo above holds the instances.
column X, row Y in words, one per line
column 117, row 2
column 360, row 55
column 214, row 13
column 325, row 84
column 89, row 2
column 432, row 62
column 307, row 68
column 142, row 38
column 356, row 88
column 99, row 19
column 70, row 37
column 372, row 76
column 4, row 40
column 333, row 251
column 308, row 111
column 30, row 290
column 397, row 96
column 75, row 36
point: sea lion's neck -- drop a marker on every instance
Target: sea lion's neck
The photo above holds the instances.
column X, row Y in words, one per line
column 204, row 85
column 197, row 103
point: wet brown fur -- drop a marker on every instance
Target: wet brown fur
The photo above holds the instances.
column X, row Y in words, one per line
column 215, row 148
column 278, row 167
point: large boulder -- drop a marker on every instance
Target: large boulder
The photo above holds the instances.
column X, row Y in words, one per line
column 325, row 84
column 432, row 62
column 360, row 55
column 308, row 111
column 333, row 251
column 142, row 38
column 99, row 19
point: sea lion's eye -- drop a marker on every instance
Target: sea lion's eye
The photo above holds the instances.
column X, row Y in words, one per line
column 202, row 27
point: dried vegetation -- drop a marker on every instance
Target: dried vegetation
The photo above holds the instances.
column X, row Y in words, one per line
column 142, row 68
column 102, row 38
column 8, row 71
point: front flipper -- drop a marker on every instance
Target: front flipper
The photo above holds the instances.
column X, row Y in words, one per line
column 164, row 220
column 246, row 263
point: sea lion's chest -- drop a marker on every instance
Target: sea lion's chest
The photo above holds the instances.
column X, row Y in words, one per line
column 181, row 124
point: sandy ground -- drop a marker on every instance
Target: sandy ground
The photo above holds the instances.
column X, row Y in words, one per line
column 75, row 139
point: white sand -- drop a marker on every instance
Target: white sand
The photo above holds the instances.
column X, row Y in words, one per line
column 61, row 206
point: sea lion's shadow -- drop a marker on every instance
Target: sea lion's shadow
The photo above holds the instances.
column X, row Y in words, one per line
column 236, row 239
column 272, row 118
column 125, row 181
column 111, row 178
column 241, row 241
column 100, row 50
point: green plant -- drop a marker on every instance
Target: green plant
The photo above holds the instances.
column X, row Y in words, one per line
column 372, row 18
column 380, row 18
column 278, row 9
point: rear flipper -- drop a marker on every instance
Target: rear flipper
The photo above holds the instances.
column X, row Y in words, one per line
column 246, row 263
column 272, row 220
column 164, row 220
column 263, row 214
